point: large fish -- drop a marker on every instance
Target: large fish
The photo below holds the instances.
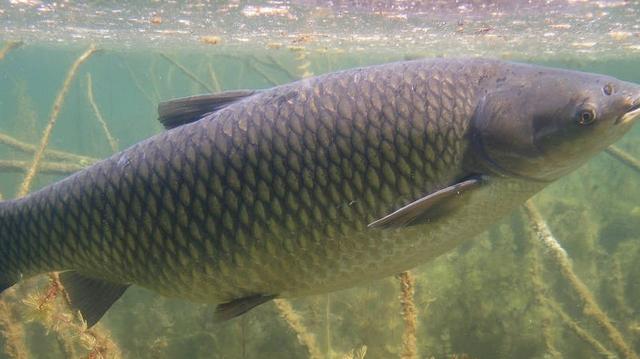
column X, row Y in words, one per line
column 312, row 186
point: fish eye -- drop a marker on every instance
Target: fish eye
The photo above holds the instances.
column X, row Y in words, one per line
column 607, row 89
column 586, row 117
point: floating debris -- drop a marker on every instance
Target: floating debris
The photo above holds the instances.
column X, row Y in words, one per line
column 620, row 35
column 156, row 20
column 211, row 40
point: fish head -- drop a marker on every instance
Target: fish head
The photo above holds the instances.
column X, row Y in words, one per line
column 540, row 123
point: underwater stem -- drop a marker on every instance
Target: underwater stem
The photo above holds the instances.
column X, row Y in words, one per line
column 409, row 315
column 295, row 322
column 303, row 64
column 579, row 331
column 617, row 290
column 541, row 299
column 56, row 314
column 8, row 47
column 624, row 157
column 214, row 78
column 546, row 302
column 327, row 326
column 137, row 84
column 270, row 79
column 62, row 168
column 278, row 65
column 57, row 105
column 15, row 346
column 188, row 73
column 13, row 332
column 50, row 154
column 243, row 336
column 590, row 306
column 112, row 141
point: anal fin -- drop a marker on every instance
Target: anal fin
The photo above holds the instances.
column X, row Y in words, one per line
column 4, row 286
column 92, row 297
column 7, row 281
column 239, row 306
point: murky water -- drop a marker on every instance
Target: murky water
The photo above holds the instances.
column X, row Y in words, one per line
column 504, row 294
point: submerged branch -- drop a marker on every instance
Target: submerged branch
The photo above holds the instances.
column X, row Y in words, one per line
column 304, row 64
column 590, row 306
column 295, row 322
column 253, row 61
column 624, row 157
column 112, row 141
column 48, row 154
column 11, row 330
column 138, row 85
column 57, row 106
column 270, row 79
column 579, row 331
column 57, row 168
column 409, row 315
column 547, row 304
column 214, row 78
column 11, row 45
column 327, row 326
column 275, row 63
column 188, row 73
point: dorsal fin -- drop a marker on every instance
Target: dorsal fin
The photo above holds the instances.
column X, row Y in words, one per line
column 177, row 112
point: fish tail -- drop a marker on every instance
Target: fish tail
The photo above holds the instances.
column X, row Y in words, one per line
column 8, row 277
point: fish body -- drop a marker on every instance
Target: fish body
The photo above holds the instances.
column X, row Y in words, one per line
column 305, row 188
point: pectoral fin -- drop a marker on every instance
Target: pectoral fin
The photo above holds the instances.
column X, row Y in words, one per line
column 185, row 110
column 429, row 207
column 239, row 306
column 92, row 297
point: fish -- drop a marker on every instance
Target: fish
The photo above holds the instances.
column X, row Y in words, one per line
column 313, row 186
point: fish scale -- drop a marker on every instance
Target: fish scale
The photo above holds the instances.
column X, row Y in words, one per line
column 272, row 193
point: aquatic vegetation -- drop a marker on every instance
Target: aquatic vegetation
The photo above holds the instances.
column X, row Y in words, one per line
column 8, row 46
column 25, row 124
column 356, row 353
column 482, row 299
column 12, row 331
column 112, row 141
column 624, row 157
column 55, row 111
column 188, row 73
column 590, row 306
column 50, row 308
column 409, row 314
column 295, row 322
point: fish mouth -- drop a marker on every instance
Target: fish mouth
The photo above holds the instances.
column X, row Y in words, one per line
column 632, row 114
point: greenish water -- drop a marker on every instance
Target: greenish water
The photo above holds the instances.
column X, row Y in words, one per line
column 500, row 295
